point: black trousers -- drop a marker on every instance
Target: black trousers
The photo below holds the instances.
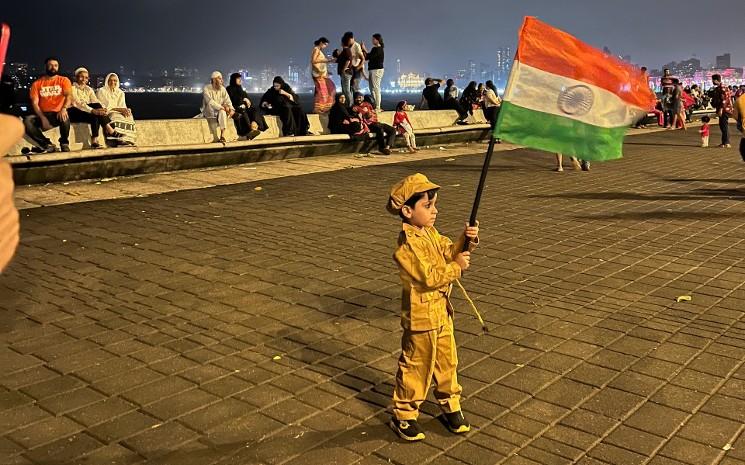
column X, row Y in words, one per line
column 724, row 127
column 96, row 121
column 33, row 129
column 454, row 104
column 491, row 115
column 294, row 120
column 245, row 116
column 384, row 134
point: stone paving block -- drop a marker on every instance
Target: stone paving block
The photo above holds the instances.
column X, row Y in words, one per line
column 613, row 455
column 565, row 393
column 212, row 416
column 102, row 411
column 19, row 417
column 151, row 392
column 710, row 430
column 727, row 407
column 570, row 436
column 689, row 452
column 589, row 422
column 45, row 431
column 161, row 440
column 122, row 427
column 656, row 419
column 64, row 450
column 634, row 440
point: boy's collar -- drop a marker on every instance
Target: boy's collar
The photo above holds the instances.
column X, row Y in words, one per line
column 413, row 230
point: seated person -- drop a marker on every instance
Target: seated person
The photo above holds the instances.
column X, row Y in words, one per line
column 280, row 100
column 112, row 98
column 431, row 94
column 87, row 109
column 216, row 103
column 249, row 123
column 451, row 101
column 343, row 121
column 50, row 97
column 384, row 133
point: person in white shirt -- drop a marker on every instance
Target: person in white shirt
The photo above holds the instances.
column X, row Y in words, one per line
column 112, row 98
column 217, row 104
column 86, row 108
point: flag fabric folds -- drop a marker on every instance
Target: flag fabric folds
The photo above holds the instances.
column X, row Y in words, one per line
column 567, row 97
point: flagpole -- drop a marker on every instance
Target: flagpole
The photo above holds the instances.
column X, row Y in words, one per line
column 482, row 183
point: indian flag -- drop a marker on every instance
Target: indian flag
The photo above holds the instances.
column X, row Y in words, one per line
column 565, row 96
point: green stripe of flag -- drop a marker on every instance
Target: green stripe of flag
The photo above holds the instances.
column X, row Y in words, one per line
column 558, row 134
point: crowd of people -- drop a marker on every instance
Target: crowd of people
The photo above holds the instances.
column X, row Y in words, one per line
column 57, row 102
column 475, row 96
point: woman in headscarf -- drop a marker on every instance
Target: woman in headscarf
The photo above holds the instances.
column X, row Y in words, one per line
column 248, row 121
column 470, row 97
column 280, row 100
column 343, row 121
column 325, row 89
column 112, row 98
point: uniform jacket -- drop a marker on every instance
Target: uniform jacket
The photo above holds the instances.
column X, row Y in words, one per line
column 427, row 271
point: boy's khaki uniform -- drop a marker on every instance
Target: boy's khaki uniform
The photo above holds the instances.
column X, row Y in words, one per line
column 427, row 271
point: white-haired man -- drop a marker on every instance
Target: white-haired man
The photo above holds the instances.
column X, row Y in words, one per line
column 216, row 103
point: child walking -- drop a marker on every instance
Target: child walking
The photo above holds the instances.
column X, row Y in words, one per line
column 704, row 131
column 403, row 126
column 428, row 264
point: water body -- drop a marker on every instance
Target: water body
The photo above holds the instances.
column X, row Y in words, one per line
column 166, row 105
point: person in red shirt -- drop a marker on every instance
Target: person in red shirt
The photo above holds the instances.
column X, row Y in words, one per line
column 51, row 96
column 384, row 133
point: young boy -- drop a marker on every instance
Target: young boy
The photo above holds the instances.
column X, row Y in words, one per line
column 705, row 131
column 428, row 264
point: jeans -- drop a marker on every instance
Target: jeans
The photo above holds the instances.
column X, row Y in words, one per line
column 376, row 79
column 33, row 129
column 346, row 87
column 724, row 127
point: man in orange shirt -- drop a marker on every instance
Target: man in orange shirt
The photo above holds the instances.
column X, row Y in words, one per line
column 51, row 96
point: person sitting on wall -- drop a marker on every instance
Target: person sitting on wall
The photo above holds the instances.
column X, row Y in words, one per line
column 86, row 108
column 112, row 98
column 431, row 94
column 216, row 103
column 51, row 96
column 249, row 122
column 384, row 134
column 280, row 100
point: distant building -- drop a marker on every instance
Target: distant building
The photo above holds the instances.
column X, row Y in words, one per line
column 684, row 68
column 410, row 81
column 19, row 73
column 504, row 64
column 471, row 69
column 724, row 61
column 293, row 73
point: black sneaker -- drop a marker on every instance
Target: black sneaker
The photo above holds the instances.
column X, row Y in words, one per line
column 49, row 149
column 409, row 430
column 456, row 422
column 585, row 165
column 64, row 147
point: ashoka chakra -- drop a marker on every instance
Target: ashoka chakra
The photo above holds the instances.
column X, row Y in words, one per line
column 576, row 100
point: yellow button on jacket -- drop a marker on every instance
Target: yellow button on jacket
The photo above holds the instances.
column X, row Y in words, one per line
column 427, row 270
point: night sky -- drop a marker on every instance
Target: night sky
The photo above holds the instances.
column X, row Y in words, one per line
column 432, row 36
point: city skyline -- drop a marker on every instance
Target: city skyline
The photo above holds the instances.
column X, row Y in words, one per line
column 139, row 38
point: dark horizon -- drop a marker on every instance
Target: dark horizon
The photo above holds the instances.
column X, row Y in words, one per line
column 152, row 36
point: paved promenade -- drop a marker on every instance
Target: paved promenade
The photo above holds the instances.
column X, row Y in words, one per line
column 257, row 323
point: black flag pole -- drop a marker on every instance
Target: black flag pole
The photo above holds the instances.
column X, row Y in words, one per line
column 482, row 183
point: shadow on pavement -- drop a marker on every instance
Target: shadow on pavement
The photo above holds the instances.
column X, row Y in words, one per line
column 661, row 215
column 696, row 194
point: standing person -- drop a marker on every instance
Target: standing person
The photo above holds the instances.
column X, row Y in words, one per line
column 357, row 61
column 705, row 131
column 722, row 103
column 325, row 91
column 639, row 124
column 404, row 127
column 384, row 133
column 375, row 69
column 216, row 103
column 677, row 106
column 280, row 100
column 428, row 265
column 87, row 109
column 492, row 103
column 344, row 67
column 51, row 96
column 740, row 109
column 667, row 84
column 112, row 98
column 431, row 94
column 249, row 122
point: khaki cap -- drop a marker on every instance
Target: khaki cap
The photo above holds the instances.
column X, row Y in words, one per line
column 407, row 187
